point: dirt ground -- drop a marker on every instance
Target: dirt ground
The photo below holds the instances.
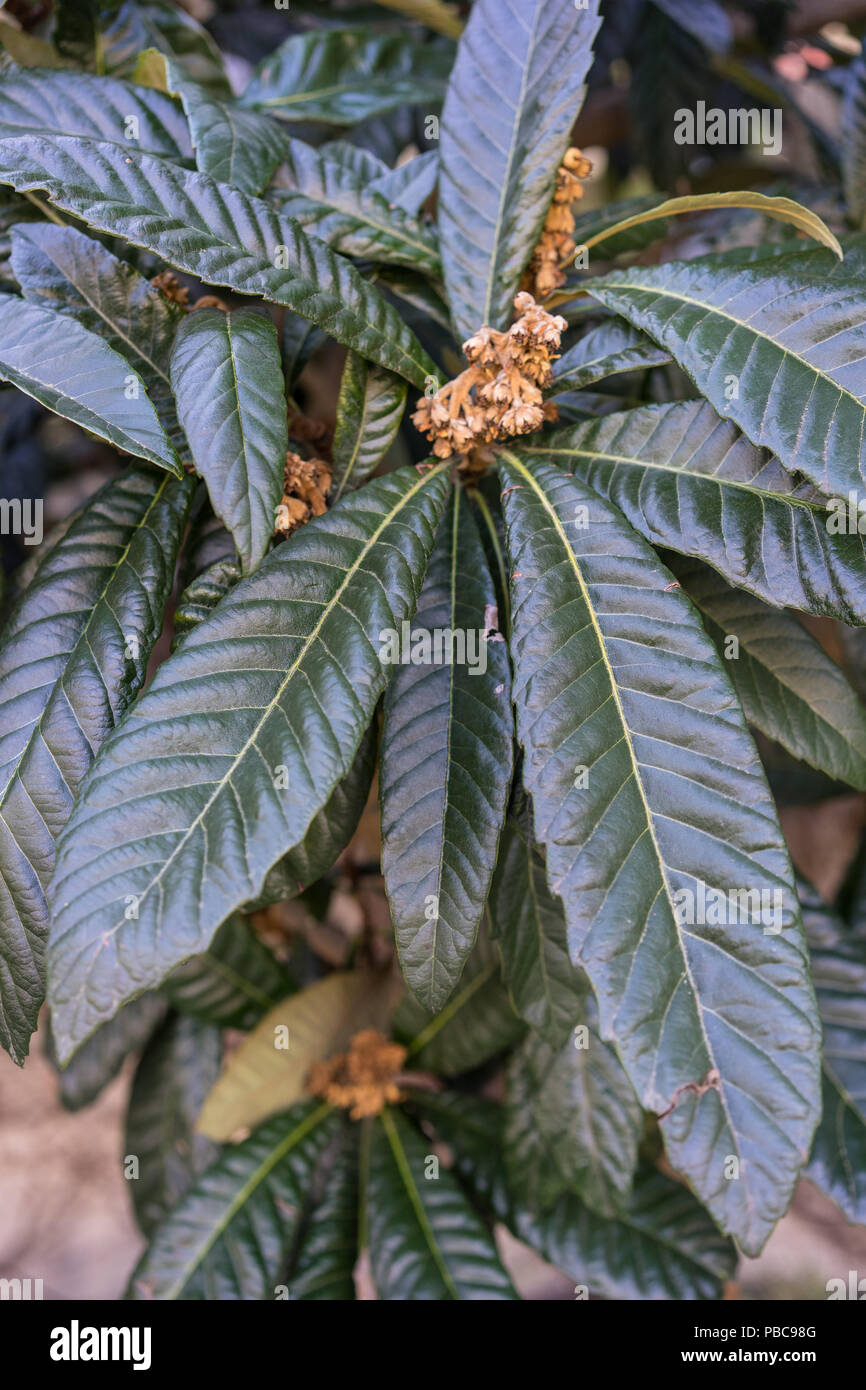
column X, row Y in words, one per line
column 65, row 1214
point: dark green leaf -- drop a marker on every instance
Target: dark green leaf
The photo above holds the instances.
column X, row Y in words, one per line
column 299, row 339
column 572, row 1122
column 690, row 481
column 669, row 71
column 178, row 1068
column 75, row 373
column 74, row 654
column 361, row 163
column 487, row 510
column 207, row 542
column 472, row 1128
column 235, row 146
column 528, row 924
column 233, row 983
column 231, row 1234
column 663, row 842
column 663, row 1246
column 425, row 1241
column 343, row 76
column 63, row 269
column 415, row 290
column 167, row 27
column 604, row 351
column 332, row 200
column 446, row 761
column 332, row 828
column 203, row 594
column 513, row 97
column 477, row 1022
column 838, row 1161
column 100, row 1059
column 139, row 121
column 267, row 701
column 776, row 346
column 329, row 831
column 410, row 184
column 788, row 686
column 15, row 211
column 228, row 383
column 706, row 19
column 77, row 26
column 324, row 1265
column 369, row 410
column 218, row 233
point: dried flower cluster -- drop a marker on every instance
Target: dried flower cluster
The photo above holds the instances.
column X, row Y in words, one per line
column 362, row 1080
column 306, row 484
column 499, row 394
column 544, row 274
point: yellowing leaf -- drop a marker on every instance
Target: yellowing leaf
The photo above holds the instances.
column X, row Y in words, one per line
column 782, row 209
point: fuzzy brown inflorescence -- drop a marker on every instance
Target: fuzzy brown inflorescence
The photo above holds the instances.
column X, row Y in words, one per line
column 306, row 483
column 544, row 274
column 362, row 1080
column 499, row 395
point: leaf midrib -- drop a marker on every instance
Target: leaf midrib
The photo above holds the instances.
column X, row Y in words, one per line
column 493, row 535
column 720, row 480
column 417, row 1205
column 382, row 83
